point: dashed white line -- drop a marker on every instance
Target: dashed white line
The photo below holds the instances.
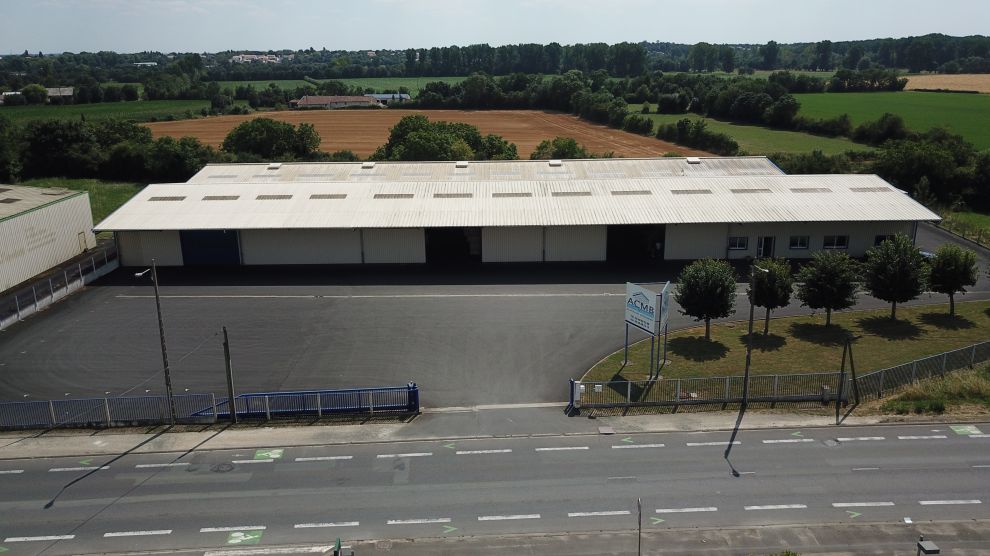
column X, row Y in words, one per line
column 598, row 514
column 562, row 448
column 409, row 455
column 326, row 549
column 150, row 465
column 323, row 525
column 418, row 521
column 45, row 538
column 866, row 469
column 241, row 461
column 979, row 436
column 734, row 443
column 923, row 437
column 860, row 438
column 621, row 446
column 789, row 440
column 507, row 517
column 59, row 469
column 476, row 452
column 777, row 507
column 138, row 533
column 229, row 529
column 11, row 472
column 325, row 458
column 981, row 466
column 686, row 510
column 947, row 502
column 861, row 504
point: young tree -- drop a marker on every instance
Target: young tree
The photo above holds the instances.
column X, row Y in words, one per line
column 35, row 94
column 772, row 288
column 706, row 290
column 829, row 281
column 895, row 271
column 950, row 271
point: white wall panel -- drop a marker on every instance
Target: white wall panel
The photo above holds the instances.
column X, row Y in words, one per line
column 300, row 246
column 138, row 248
column 512, row 244
column 394, row 245
column 694, row 241
column 39, row 239
column 575, row 243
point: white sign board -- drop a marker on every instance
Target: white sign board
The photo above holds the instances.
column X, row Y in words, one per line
column 641, row 308
column 664, row 306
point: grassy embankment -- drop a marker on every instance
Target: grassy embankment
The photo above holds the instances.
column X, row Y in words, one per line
column 805, row 345
column 972, row 225
column 104, row 196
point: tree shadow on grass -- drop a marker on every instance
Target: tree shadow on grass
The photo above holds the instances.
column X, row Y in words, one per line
column 946, row 322
column 697, row 349
column 889, row 329
column 770, row 342
column 829, row 336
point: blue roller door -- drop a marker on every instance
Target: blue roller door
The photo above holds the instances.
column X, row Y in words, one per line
column 210, row 247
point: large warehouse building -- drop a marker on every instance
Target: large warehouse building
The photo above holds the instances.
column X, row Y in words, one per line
column 39, row 229
column 506, row 211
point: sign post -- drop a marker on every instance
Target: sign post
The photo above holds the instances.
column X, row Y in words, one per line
column 648, row 311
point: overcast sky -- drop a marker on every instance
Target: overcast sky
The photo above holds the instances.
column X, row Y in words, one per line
column 213, row 25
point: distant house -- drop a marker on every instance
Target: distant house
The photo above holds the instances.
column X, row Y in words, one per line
column 386, row 98
column 145, row 64
column 59, row 92
column 331, row 102
column 6, row 94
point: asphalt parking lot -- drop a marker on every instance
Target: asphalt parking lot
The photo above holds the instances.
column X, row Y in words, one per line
column 500, row 335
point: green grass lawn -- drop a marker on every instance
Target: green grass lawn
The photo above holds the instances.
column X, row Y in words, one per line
column 973, row 225
column 969, row 387
column 761, row 140
column 104, row 196
column 263, row 84
column 805, row 345
column 965, row 114
column 141, row 110
column 414, row 84
column 762, row 74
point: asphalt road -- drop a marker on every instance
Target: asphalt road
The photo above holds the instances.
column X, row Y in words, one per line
column 920, row 474
column 492, row 335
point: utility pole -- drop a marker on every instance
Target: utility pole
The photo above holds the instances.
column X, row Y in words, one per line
column 749, row 337
column 231, row 405
column 161, row 334
column 639, row 536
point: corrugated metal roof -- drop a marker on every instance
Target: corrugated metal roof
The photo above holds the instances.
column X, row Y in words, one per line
column 550, row 203
column 510, row 170
column 15, row 199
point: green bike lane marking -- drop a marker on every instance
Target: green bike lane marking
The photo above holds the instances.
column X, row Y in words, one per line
column 269, row 453
column 965, row 430
column 245, row 537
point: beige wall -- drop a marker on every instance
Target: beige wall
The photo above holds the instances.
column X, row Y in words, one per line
column 138, row 248
column 512, row 245
column 300, row 246
column 394, row 245
column 575, row 243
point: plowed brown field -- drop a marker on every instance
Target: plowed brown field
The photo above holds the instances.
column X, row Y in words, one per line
column 948, row 82
column 362, row 131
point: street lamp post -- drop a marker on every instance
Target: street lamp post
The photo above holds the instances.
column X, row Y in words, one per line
column 161, row 334
column 749, row 336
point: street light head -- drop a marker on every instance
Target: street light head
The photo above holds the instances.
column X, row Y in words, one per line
column 142, row 273
column 761, row 269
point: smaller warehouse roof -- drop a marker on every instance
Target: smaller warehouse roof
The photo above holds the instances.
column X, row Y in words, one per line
column 317, row 100
column 17, row 199
column 389, row 96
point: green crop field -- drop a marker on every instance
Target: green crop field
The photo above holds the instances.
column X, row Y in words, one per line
column 414, row 84
column 263, row 84
column 104, row 196
column 760, row 74
column 141, row 110
column 760, row 140
column 965, row 114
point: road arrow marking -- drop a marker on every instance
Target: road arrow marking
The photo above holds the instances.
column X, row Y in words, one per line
column 449, row 445
column 627, row 440
column 797, row 433
column 4, row 549
column 656, row 520
column 87, row 461
column 853, row 514
column 447, row 529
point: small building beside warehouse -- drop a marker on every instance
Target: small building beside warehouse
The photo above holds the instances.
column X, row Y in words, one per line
column 318, row 102
column 614, row 210
column 39, row 229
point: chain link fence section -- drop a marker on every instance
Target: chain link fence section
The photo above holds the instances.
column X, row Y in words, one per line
column 886, row 381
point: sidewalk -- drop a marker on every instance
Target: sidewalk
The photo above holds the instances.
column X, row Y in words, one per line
column 464, row 423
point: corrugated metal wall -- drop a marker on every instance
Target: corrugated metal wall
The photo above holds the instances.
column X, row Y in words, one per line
column 575, row 243
column 694, row 241
column 138, row 248
column 300, row 246
column 38, row 240
column 394, row 245
column 512, row 245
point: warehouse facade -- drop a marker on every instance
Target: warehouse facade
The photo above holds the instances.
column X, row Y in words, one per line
column 507, row 211
column 40, row 229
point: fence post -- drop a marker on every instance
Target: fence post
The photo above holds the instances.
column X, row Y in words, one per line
column 34, row 292
column 106, row 408
column 51, row 289
column 92, row 261
column 319, row 405
column 776, row 378
column 628, row 392
column 945, row 358
column 51, row 411
column 371, row 402
column 413, row 397
column 725, row 400
column 914, row 371
column 880, row 391
column 972, row 357
column 268, row 409
column 213, row 398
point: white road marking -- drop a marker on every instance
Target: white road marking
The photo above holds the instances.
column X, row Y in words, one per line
column 11, row 472
column 685, row 510
column 597, row 514
column 562, row 448
column 866, row 469
column 979, row 436
column 789, row 440
column 723, row 443
column 507, row 517
column 860, row 438
column 860, row 504
column 777, row 507
column 325, row 458
column 264, row 551
column 621, row 446
column 321, row 525
column 908, row 520
column 929, row 437
column 981, row 466
column 138, row 533
column 417, row 521
column 377, row 296
column 58, row 469
column 46, row 538
column 409, row 455
column 484, row 407
column 239, row 461
column 475, row 452
column 148, row 465
column 228, row 529
column 947, row 502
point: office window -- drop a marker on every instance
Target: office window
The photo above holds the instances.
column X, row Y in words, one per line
column 738, row 243
column 799, row 242
column 882, row 238
column 836, row 242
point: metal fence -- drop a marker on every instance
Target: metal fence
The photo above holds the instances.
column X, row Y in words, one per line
column 206, row 408
column 885, row 381
column 21, row 303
